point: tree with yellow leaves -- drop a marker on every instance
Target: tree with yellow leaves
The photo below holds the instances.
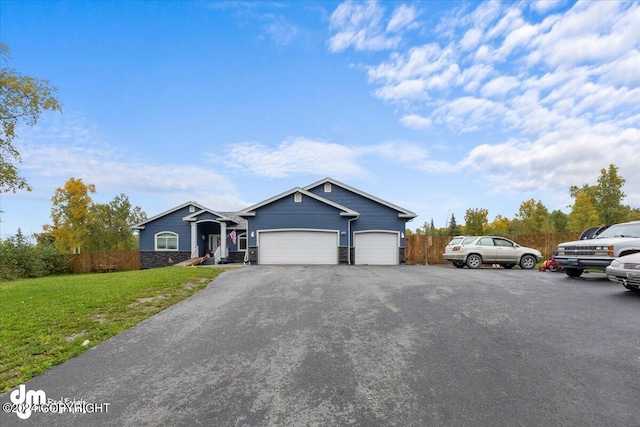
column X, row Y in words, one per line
column 72, row 216
column 583, row 214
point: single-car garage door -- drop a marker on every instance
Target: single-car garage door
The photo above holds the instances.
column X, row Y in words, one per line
column 376, row 248
column 298, row 247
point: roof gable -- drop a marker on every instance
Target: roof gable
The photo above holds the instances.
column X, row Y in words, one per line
column 402, row 213
column 141, row 225
column 209, row 214
column 251, row 210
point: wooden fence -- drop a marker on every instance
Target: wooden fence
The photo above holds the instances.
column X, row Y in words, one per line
column 104, row 261
column 429, row 249
column 419, row 250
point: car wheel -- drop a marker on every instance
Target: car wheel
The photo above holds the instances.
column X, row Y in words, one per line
column 573, row 272
column 527, row 262
column 474, row 261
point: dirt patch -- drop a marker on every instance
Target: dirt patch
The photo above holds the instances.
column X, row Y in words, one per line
column 100, row 318
column 74, row 336
column 147, row 301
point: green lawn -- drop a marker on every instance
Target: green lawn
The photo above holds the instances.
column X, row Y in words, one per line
column 45, row 321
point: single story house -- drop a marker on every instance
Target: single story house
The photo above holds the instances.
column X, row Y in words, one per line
column 326, row 222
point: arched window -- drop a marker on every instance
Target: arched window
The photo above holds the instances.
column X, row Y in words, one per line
column 166, row 241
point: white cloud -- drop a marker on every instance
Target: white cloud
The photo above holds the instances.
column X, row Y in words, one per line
column 302, row 156
column 467, row 114
column 544, row 6
column 403, row 18
column 65, row 146
column 582, row 36
column 279, row 29
column 555, row 160
column 409, row 155
column 565, row 84
column 471, row 39
column 414, row 75
column 361, row 25
column 622, row 71
column 298, row 156
column 416, row 121
column 499, row 86
column 54, row 164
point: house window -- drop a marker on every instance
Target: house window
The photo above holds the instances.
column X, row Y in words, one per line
column 166, row 241
column 297, row 197
column 242, row 242
column 327, row 187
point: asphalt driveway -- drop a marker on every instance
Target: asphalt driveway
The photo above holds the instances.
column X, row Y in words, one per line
column 367, row 346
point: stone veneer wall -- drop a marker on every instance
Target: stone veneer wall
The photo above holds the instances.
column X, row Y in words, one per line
column 253, row 254
column 154, row 259
column 342, row 255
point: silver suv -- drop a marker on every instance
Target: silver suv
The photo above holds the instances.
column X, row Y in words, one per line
column 598, row 252
column 473, row 251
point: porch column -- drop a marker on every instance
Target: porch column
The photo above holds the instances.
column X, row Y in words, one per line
column 194, row 240
column 223, row 239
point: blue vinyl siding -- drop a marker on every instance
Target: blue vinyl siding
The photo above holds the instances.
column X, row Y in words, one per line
column 172, row 222
column 285, row 213
column 373, row 215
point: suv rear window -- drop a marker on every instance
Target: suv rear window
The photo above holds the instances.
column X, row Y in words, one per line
column 468, row 240
column 455, row 241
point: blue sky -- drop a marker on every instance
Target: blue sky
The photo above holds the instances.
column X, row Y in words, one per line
column 435, row 106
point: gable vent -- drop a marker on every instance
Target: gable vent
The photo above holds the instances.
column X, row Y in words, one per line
column 297, row 197
column 327, row 187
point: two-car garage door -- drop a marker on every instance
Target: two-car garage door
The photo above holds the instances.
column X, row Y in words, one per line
column 298, row 247
column 321, row 247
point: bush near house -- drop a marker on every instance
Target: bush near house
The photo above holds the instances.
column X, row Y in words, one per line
column 21, row 259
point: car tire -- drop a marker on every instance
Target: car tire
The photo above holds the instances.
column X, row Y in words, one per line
column 527, row 262
column 573, row 272
column 474, row 261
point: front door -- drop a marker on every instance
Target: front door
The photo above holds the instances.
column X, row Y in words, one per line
column 214, row 243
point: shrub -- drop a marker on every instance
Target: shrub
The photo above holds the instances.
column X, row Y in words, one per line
column 21, row 259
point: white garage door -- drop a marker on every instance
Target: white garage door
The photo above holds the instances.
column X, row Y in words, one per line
column 298, row 247
column 375, row 248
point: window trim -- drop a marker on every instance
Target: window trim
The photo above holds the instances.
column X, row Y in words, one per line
column 166, row 234
column 242, row 237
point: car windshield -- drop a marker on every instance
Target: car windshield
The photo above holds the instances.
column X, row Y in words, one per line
column 621, row 230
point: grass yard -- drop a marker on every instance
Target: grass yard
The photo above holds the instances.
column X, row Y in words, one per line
column 45, row 321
